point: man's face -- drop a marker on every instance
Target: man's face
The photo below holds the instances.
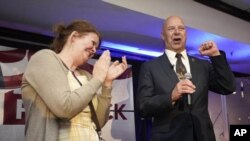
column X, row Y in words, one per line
column 174, row 34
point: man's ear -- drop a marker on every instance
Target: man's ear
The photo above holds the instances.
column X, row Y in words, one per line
column 162, row 36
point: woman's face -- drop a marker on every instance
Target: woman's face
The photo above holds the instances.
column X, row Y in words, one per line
column 84, row 47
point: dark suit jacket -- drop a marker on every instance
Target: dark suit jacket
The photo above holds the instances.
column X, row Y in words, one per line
column 157, row 80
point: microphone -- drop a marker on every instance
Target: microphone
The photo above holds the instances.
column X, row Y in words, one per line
column 189, row 77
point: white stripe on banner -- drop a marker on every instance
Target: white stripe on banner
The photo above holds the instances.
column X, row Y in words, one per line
column 15, row 68
column 1, row 106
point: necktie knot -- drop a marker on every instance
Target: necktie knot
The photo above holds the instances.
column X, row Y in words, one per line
column 178, row 55
column 180, row 68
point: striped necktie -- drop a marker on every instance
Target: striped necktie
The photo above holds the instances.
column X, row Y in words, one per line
column 180, row 68
column 180, row 71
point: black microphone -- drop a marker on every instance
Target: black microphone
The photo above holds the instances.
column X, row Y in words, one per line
column 189, row 77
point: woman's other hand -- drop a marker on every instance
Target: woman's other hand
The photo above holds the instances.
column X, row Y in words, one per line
column 115, row 70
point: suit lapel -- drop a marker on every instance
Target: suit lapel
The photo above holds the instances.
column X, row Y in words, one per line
column 168, row 68
column 195, row 73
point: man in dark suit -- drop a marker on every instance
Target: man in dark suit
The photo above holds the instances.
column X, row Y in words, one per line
column 163, row 93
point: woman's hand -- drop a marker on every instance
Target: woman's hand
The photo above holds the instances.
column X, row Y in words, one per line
column 101, row 66
column 115, row 70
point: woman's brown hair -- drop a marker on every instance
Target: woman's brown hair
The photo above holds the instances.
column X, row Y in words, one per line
column 63, row 32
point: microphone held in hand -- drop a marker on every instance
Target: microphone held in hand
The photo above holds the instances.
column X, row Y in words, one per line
column 189, row 77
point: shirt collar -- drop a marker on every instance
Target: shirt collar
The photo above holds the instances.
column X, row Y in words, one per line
column 171, row 54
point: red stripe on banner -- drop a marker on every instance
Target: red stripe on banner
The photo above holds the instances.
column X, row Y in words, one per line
column 12, row 82
column 13, row 109
column 12, row 55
